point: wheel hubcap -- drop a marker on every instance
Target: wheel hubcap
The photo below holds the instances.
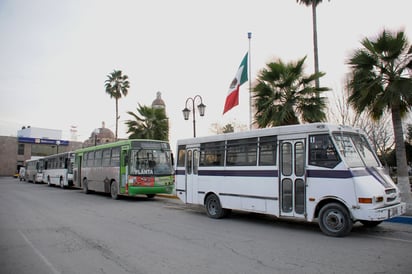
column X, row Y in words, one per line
column 212, row 207
column 334, row 221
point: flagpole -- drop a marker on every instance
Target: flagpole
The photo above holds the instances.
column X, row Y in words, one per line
column 249, row 36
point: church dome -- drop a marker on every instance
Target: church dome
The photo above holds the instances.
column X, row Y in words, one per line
column 100, row 136
column 103, row 133
column 158, row 102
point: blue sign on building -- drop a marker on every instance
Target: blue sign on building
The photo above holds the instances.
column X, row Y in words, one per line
column 43, row 141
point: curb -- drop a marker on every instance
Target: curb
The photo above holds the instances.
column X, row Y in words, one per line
column 401, row 220
column 170, row 196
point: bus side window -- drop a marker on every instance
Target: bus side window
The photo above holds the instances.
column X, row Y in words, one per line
column 115, row 159
column 212, row 154
column 322, row 152
column 241, row 152
column 189, row 162
column 267, row 150
column 181, row 154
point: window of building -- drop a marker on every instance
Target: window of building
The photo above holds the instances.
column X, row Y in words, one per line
column 20, row 149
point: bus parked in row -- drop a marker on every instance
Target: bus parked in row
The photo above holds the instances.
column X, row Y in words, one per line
column 58, row 169
column 128, row 167
column 304, row 172
column 34, row 170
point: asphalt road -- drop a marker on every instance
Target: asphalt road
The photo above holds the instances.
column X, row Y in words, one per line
column 51, row 230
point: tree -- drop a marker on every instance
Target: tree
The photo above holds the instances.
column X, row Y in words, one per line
column 409, row 133
column 378, row 132
column 380, row 83
column 117, row 85
column 283, row 95
column 313, row 4
column 151, row 124
column 233, row 126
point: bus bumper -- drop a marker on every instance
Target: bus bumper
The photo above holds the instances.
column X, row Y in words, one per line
column 380, row 214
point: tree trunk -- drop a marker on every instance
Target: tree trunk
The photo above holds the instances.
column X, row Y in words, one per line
column 401, row 163
column 117, row 117
column 315, row 42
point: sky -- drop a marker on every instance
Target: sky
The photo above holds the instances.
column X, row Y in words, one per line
column 55, row 55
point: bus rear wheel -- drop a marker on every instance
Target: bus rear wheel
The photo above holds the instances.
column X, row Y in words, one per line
column 334, row 220
column 214, row 208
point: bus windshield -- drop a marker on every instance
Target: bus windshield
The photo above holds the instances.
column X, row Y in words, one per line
column 150, row 162
column 355, row 150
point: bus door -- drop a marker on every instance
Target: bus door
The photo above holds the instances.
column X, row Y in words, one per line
column 192, row 165
column 77, row 171
column 124, row 167
column 292, row 181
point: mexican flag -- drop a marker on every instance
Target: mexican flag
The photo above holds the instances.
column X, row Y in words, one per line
column 232, row 98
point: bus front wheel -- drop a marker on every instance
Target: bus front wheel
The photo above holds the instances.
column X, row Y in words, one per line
column 214, row 208
column 114, row 190
column 334, row 220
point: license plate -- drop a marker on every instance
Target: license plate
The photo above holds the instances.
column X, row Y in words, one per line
column 393, row 212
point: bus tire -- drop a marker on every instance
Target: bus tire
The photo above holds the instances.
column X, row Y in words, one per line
column 85, row 187
column 334, row 220
column 214, row 208
column 150, row 196
column 114, row 189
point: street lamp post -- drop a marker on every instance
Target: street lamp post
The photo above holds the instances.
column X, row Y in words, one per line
column 200, row 106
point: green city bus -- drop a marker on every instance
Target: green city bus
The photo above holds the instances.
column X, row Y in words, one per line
column 128, row 167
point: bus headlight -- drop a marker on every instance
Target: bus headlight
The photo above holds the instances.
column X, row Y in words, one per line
column 379, row 199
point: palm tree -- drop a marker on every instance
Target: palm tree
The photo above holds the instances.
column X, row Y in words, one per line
column 313, row 4
column 283, row 95
column 117, row 85
column 151, row 124
column 380, row 82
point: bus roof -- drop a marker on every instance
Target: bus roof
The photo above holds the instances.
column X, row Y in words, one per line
column 280, row 130
column 117, row 144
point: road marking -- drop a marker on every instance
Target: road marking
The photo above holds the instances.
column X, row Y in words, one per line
column 52, row 268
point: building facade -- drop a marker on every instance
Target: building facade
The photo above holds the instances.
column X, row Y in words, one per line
column 31, row 142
